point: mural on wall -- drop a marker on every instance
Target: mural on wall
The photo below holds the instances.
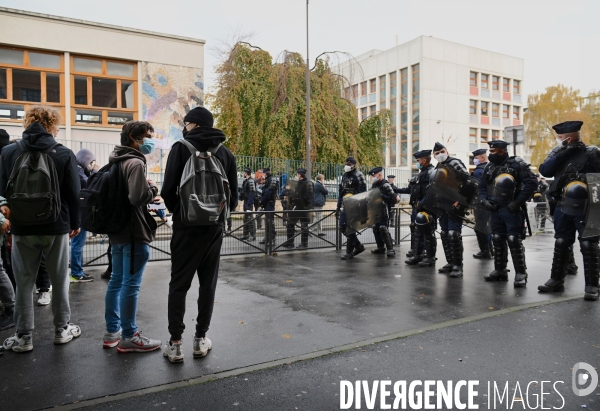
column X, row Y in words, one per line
column 168, row 93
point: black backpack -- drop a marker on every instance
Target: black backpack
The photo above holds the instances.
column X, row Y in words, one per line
column 104, row 203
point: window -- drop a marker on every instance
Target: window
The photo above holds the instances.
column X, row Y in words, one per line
column 504, row 111
column 495, row 110
column 473, row 107
column 516, row 87
column 495, row 83
column 484, row 81
column 348, row 93
column 372, row 110
column 473, row 139
column 516, row 115
column 473, row 81
column 104, row 91
column 373, row 86
column 355, row 91
column 415, row 107
column 29, row 77
column 404, row 116
column 484, row 108
column 484, row 136
column 393, row 85
column 495, row 134
column 363, row 88
column 363, row 113
column 382, row 92
column 505, row 85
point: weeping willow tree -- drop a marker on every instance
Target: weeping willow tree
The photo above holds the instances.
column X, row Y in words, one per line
column 261, row 107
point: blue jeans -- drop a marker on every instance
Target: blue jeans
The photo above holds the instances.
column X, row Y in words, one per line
column 77, row 244
column 123, row 288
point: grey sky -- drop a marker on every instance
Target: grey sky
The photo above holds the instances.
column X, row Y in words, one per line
column 559, row 39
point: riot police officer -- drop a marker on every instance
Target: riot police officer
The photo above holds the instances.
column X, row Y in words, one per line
column 569, row 163
column 480, row 159
column 451, row 225
column 391, row 178
column 380, row 230
column 267, row 202
column 506, row 185
column 247, row 196
column 302, row 201
column 422, row 229
column 353, row 182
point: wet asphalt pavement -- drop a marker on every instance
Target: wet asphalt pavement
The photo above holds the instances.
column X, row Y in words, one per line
column 267, row 309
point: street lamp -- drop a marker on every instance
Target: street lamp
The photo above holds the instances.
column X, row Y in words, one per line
column 308, row 164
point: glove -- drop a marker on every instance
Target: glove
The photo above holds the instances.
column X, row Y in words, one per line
column 419, row 206
column 513, row 208
column 488, row 205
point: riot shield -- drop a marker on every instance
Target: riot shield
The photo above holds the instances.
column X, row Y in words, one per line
column 364, row 210
column 483, row 219
column 300, row 194
column 592, row 221
column 450, row 187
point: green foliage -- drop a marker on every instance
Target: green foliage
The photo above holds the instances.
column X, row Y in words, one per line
column 260, row 105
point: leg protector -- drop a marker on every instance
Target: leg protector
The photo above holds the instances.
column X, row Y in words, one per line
column 430, row 249
column 447, row 252
column 591, row 267
column 457, row 253
column 517, row 251
column 484, row 246
column 559, row 264
column 387, row 239
column 571, row 266
column 500, row 272
column 414, row 240
column 379, row 240
column 349, row 247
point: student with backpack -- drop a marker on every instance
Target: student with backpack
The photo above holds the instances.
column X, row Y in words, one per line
column 39, row 179
column 125, row 174
column 200, row 202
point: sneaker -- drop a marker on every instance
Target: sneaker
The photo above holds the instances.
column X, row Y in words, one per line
column 7, row 319
column 66, row 334
column 37, row 290
column 174, row 352
column 44, row 299
column 137, row 343
column 83, row 279
column 201, row 347
column 15, row 343
column 106, row 275
column 111, row 340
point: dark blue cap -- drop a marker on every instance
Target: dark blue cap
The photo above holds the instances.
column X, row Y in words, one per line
column 567, row 127
column 351, row 160
column 479, row 152
column 266, row 170
column 422, row 153
column 247, row 170
column 391, row 176
column 498, row 144
column 301, row 171
column 376, row 170
column 438, row 146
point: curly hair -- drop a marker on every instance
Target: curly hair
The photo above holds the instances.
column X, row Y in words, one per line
column 46, row 116
column 137, row 129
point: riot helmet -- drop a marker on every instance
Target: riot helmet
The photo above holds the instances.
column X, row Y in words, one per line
column 574, row 199
column 422, row 218
column 503, row 189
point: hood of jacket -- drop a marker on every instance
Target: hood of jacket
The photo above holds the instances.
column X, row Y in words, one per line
column 36, row 138
column 205, row 137
column 84, row 158
column 122, row 153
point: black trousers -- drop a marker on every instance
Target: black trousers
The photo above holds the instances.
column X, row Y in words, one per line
column 194, row 251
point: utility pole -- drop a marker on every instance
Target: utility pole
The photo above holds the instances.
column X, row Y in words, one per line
column 308, row 164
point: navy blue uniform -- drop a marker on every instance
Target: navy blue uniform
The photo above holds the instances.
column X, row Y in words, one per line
column 267, row 201
column 248, row 196
column 380, row 230
column 353, row 182
column 484, row 240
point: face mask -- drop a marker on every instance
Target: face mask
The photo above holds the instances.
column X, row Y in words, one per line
column 147, row 146
column 347, row 169
column 476, row 162
column 374, row 180
column 498, row 158
column 184, row 131
column 419, row 166
column 441, row 157
column 559, row 142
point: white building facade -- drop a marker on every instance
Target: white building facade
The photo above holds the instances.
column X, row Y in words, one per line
column 437, row 90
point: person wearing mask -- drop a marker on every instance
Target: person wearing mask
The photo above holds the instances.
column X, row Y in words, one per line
column 302, row 202
column 49, row 238
column 248, row 194
column 86, row 165
column 391, row 179
column 390, row 198
column 258, row 184
column 130, row 247
column 480, row 159
column 195, row 250
column 451, row 225
column 267, row 203
column 320, row 198
column 353, row 182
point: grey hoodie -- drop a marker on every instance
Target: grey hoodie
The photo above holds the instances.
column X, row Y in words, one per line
column 133, row 167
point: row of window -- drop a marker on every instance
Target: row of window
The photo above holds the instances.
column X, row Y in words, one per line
column 493, row 109
column 103, row 92
column 483, row 80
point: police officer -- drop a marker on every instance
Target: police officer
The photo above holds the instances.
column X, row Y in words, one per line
column 480, row 159
column 414, row 236
column 422, row 233
column 391, row 178
column 267, row 202
column 248, row 195
column 451, row 225
column 353, row 182
column 303, row 203
column 507, row 184
column 258, row 184
column 569, row 163
column 380, row 230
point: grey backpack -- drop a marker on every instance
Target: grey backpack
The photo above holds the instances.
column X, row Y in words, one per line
column 203, row 189
column 33, row 188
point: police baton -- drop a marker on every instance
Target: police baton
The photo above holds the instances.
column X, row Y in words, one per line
column 527, row 221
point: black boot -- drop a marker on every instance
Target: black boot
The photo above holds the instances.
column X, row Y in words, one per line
column 349, row 249
column 387, row 239
column 571, row 266
column 7, row 319
column 359, row 248
column 500, row 272
column 414, row 240
column 591, row 268
column 556, row 282
column 379, row 240
column 457, row 254
column 430, row 249
column 517, row 252
column 447, row 252
column 484, row 247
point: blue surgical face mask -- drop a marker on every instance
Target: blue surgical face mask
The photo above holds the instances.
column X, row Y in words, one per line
column 476, row 161
column 419, row 166
column 147, row 146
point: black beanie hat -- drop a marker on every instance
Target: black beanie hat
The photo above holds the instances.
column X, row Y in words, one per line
column 200, row 116
column 4, row 138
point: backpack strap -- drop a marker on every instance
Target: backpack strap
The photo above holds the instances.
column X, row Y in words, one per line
column 52, row 147
column 21, row 145
column 189, row 145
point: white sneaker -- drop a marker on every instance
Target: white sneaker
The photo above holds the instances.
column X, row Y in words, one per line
column 44, row 299
column 174, row 352
column 18, row 344
column 64, row 335
column 201, row 347
column 111, row 340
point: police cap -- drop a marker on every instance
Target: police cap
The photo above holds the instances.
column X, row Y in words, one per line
column 391, row 176
column 376, row 170
column 301, row 171
column 422, row 153
column 438, row 146
column 498, row 144
column 351, row 160
column 479, row 152
column 247, row 170
column 567, row 127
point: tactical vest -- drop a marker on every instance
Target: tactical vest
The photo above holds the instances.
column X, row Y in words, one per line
column 419, row 189
column 571, row 171
column 349, row 184
column 493, row 171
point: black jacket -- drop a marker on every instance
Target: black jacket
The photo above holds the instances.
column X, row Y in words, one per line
column 202, row 138
column 36, row 138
